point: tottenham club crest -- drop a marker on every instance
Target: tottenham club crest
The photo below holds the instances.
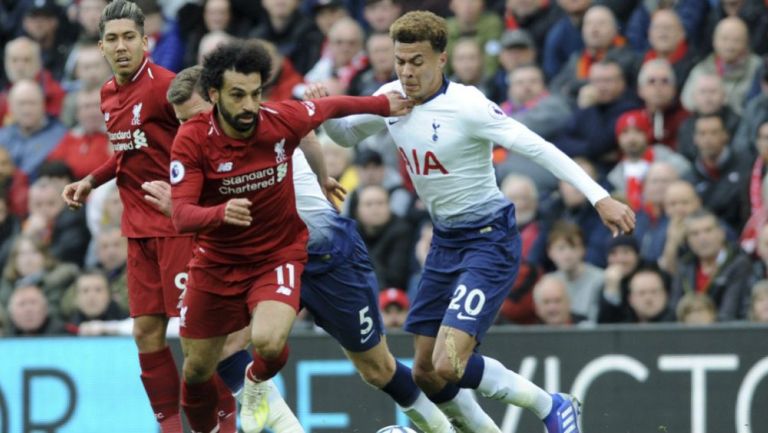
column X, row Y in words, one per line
column 136, row 120
column 177, row 172
column 280, row 151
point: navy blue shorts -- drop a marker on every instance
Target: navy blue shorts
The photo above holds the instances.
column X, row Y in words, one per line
column 340, row 289
column 467, row 275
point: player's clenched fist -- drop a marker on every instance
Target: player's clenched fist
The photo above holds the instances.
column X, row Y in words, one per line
column 238, row 212
column 399, row 105
column 75, row 193
column 315, row 91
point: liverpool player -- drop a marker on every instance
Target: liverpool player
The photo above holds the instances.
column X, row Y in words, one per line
column 231, row 177
column 141, row 127
column 446, row 144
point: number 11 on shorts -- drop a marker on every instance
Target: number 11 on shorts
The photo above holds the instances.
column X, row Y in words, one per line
column 285, row 272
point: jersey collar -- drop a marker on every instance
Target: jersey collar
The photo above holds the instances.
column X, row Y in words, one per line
column 443, row 88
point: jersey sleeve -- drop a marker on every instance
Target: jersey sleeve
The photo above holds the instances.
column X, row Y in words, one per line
column 489, row 122
column 105, row 172
column 187, row 178
column 350, row 130
column 308, row 115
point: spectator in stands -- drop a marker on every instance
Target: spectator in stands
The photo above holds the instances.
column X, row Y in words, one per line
column 387, row 237
column 602, row 40
column 381, row 56
column 667, row 38
column 30, row 315
column 758, row 194
column 93, row 300
column 14, row 183
column 521, row 191
column 692, row 14
column 518, row 307
column 732, row 60
column 85, row 147
column 754, row 13
column 9, row 229
column 714, row 268
column 760, row 263
column 633, row 132
column 210, row 16
column 33, row 135
column 166, row 46
column 536, row 17
column 295, row 35
column 91, row 71
column 570, row 204
column 371, row 170
column 696, row 309
column 721, row 176
column 552, row 303
column 564, row 38
column 649, row 297
column 758, row 305
column 470, row 19
column 467, row 64
column 380, row 14
column 656, row 87
column 665, row 243
column 708, row 99
column 64, row 232
column 346, row 58
column 23, row 61
column 282, row 78
column 753, row 116
column 104, row 210
column 658, row 178
column 394, row 306
column 327, row 12
column 590, row 132
column 44, row 24
column 88, row 16
column 111, row 256
column 30, row 263
column 338, row 161
column 517, row 49
column 530, row 102
column 419, row 255
column 565, row 247
column 623, row 260
column 210, row 41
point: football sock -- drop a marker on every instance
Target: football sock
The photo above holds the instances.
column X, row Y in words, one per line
column 199, row 403
column 226, row 406
column 401, row 387
column 416, row 406
column 161, row 382
column 281, row 419
column 467, row 415
column 232, row 370
column 499, row 383
column 264, row 369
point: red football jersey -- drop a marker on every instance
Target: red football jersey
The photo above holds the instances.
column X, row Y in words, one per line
column 141, row 125
column 209, row 168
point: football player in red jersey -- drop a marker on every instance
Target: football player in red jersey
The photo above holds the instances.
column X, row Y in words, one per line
column 231, row 177
column 141, row 125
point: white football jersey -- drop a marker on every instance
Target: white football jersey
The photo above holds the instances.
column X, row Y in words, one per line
column 446, row 144
column 312, row 205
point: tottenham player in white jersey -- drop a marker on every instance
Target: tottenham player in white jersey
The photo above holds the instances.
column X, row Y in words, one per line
column 446, row 144
column 339, row 286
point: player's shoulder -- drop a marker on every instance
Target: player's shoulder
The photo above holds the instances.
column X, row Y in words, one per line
column 195, row 128
column 473, row 103
column 395, row 86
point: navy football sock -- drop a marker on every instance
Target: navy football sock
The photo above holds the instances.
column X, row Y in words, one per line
column 232, row 370
column 401, row 387
column 473, row 372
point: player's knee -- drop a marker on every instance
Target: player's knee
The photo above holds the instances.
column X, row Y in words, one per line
column 377, row 373
column 196, row 371
column 149, row 337
column 447, row 369
column 424, row 374
column 268, row 347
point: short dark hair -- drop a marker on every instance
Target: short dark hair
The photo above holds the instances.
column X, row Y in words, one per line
column 184, row 84
column 119, row 10
column 245, row 57
column 567, row 232
column 421, row 26
column 712, row 116
column 651, row 268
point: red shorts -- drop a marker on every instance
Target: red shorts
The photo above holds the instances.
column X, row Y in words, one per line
column 157, row 274
column 206, row 313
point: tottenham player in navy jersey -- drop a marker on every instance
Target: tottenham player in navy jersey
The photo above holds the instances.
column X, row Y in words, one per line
column 446, row 144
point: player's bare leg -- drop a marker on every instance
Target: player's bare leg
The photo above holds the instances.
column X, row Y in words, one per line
column 158, row 371
column 199, row 389
column 458, row 405
column 379, row 368
column 270, row 325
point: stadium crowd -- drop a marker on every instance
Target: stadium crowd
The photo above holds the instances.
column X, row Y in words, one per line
column 664, row 102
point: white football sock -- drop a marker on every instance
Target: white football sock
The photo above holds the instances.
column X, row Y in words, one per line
column 467, row 415
column 499, row 383
column 281, row 419
column 426, row 416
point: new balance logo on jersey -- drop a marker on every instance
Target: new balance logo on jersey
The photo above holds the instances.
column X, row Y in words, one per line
column 183, row 316
column 310, row 106
column 136, row 120
column 224, row 167
column 284, row 290
column 139, row 139
column 106, row 116
column 280, row 151
column 422, row 165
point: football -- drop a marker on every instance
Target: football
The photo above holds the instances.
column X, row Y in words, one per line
column 396, row 429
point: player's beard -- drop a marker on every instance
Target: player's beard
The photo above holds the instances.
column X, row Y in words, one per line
column 234, row 120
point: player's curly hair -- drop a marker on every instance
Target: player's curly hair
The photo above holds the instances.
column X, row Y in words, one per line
column 419, row 26
column 245, row 57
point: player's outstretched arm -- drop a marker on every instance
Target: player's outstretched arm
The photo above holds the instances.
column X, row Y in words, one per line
column 617, row 216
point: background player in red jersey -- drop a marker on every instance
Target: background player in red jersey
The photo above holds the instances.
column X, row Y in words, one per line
column 231, row 176
column 141, row 126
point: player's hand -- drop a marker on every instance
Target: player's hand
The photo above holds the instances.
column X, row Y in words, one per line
column 315, row 91
column 399, row 105
column 617, row 216
column 158, row 195
column 75, row 193
column 238, row 212
column 333, row 189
